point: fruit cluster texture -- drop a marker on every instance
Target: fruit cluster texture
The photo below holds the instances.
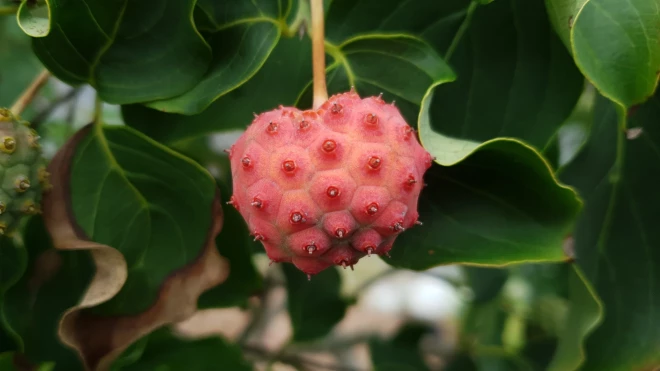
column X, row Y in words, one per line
column 328, row 186
column 23, row 173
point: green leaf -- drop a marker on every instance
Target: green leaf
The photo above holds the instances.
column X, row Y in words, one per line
column 18, row 65
column 517, row 81
column 148, row 202
column 266, row 90
column 614, row 44
column 398, row 65
column 400, row 353
column 34, row 19
column 485, row 283
column 129, row 51
column 243, row 36
column 13, row 262
column 616, row 243
column 315, row 305
column 165, row 351
column 497, row 202
column 53, row 282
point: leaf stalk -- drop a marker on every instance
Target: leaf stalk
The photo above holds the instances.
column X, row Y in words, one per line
column 30, row 92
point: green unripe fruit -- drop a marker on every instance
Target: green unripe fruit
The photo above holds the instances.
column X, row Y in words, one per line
column 23, row 175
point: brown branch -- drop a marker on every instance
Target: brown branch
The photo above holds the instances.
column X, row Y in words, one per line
column 318, row 53
column 29, row 93
column 295, row 359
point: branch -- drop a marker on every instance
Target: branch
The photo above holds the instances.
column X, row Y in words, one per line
column 318, row 54
column 45, row 113
column 295, row 359
column 29, row 93
column 8, row 10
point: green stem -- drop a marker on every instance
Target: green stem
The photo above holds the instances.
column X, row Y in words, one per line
column 461, row 30
column 98, row 110
column 8, row 10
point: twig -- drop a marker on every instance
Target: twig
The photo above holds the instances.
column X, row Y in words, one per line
column 29, row 93
column 8, row 10
column 318, row 54
column 295, row 359
column 45, row 113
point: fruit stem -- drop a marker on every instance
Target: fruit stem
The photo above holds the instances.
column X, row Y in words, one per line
column 318, row 53
column 29, row 93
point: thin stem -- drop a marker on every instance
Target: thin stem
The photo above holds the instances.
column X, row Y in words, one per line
column 461, row 30
column 318, row 53
column 8, row 10
column 98, row 109
column 29, row 93
column 40, row 117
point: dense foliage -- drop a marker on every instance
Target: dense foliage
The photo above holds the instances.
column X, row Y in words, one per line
column 543, row 118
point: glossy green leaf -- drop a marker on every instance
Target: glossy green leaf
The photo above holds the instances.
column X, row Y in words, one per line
column 242, row 37
column 514, row 77
column 516, row 82
column 165, row 351
column 150, row 203
column 129, row 51
column 614, row 43
column 265, row 91
column 13, row 262
column 616, row 244
column 402, row 353
column 496, row 202
column 398, row 65
column 315, row 305
column 34, row 20
column 53, row 282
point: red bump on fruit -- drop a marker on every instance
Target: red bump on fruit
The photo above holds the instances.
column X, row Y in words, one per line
column 339, row 224
column 367, row 203
column 297, row 212
column 289, row 166
column 310, row 265
column 311, row 241
column 332, row 189
column 391, row 220
column 329, row 145
column 367, row 241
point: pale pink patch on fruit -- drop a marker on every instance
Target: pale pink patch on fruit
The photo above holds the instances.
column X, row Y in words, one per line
column 310, row 242
column 297, row 212
column 368, row 203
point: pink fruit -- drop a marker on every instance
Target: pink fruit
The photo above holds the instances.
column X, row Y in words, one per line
column 327, row 187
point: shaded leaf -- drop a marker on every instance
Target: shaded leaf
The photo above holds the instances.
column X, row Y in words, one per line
column 399, row 66
column 266, row 90
column 616, row 240
column 614, row 43
column 34, row 19
column 485, row 283
column 125, row 48
column 54, row 281
column 13, row 262
column 18, row 65
column 244, row 280
column 165, row 351
column 315, row 306
column 243, row 37
column 400, row 353
column 498, row 202
column 114, row 187
column 516, row 82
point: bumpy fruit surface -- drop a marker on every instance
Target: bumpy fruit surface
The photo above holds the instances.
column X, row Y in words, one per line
column 22, row 172
column 329, row 186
